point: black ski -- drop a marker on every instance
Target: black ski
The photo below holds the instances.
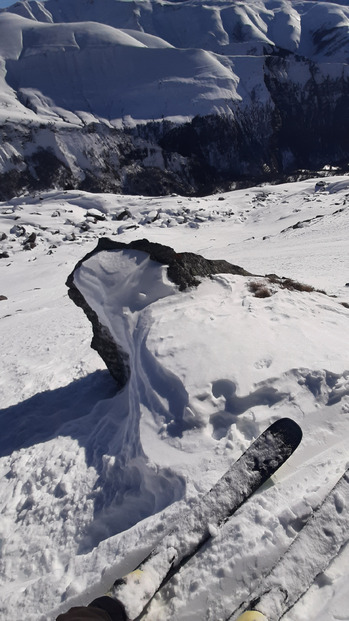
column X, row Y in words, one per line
column 267, row 453
column 317, row 544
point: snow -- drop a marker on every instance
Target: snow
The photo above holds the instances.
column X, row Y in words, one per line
column 42, row 61
column 155, row 60
column 92, row 479
column 317, row 544
column 194, row 525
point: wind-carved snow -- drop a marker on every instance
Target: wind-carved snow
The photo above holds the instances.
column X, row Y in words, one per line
column 126, row 290
column 284, row 351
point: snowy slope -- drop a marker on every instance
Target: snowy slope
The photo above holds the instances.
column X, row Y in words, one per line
column 157, row 97
column 58, row 57
column 62, row 69
column 317, row 29
column 91, row 478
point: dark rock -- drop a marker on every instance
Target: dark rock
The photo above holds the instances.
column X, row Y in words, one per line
column 3, row 297
column 123, row 215
column 97, row 215
column 115, row 359
column 128, row 228
column 30, row 242
column 43, row 169
column 185, row 269
column 70, row 237
column 18, row 230
column 320, row 186
column 4, row 255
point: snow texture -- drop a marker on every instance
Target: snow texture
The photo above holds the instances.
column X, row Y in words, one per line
column 198, row 59
column 93, row 478
column 195, row 96
column 309, row 555
column 202, row 520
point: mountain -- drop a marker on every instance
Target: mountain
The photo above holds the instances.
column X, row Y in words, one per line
column 155, row 97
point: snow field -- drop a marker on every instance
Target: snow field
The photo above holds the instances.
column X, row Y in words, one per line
column 93, row 479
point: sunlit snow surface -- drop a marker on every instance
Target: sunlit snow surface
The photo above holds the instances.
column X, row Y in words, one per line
column 155, row 60
column 91, row 479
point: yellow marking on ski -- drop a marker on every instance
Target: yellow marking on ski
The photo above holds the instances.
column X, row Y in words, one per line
column 252, row 615
column 134, row 575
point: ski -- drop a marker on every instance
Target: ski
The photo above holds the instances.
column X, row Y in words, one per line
column 265, row 455
column 317, row 544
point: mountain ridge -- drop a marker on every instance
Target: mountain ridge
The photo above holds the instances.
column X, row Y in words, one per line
column 152, row 97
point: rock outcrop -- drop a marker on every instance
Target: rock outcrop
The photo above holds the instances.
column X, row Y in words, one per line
column 183, row 269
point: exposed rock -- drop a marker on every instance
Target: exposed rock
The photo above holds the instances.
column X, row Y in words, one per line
column 30, row 242
column 123, row 215
column 17, row 230
column 95, row 215
column 114, row 358
column 185, row 269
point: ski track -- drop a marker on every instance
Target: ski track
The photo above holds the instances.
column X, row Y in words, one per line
column 92, row 479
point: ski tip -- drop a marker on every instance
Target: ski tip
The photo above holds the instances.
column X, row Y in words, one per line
column 289, row 430
column 252, row 615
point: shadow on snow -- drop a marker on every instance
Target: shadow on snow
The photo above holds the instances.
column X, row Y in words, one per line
column 92, row 411
column 52, row 413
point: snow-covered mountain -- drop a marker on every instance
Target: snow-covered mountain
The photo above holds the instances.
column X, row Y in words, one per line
column 91, row 477
column 99, row 97
column 154, row 97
